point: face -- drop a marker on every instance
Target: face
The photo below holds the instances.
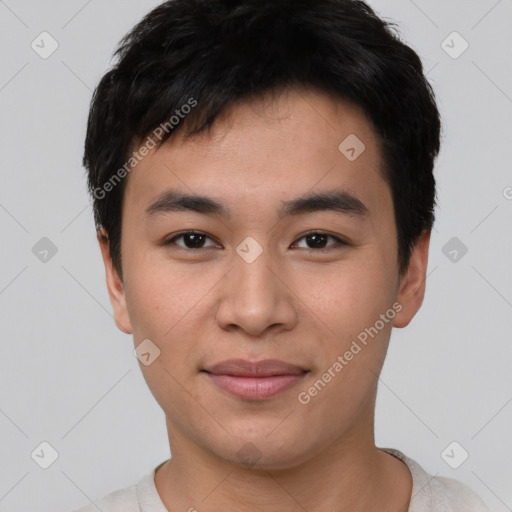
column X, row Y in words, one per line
column 293, row 257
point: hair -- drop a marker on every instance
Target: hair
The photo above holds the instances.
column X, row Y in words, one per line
column 220, row 52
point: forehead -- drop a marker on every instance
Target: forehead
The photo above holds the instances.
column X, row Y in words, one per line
column 269, row 149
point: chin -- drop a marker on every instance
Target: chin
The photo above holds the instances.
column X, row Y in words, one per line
column 275, row 451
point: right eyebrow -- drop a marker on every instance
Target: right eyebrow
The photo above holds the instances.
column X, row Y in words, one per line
column 173, row 201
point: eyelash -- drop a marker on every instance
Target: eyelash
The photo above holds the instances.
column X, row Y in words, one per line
column 339, row 242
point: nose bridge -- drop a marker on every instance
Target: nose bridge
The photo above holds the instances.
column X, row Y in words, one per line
column 256, row 281
column 255, row 297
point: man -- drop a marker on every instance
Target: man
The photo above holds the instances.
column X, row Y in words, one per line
column 262, row 175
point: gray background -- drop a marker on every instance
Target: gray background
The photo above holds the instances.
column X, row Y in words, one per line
column 69, row 377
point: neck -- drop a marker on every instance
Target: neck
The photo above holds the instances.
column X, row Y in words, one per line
column 349, row 474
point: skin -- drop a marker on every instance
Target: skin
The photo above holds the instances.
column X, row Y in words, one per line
column 292, row 303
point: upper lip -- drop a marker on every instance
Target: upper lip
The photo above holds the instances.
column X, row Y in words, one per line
column 264, row 368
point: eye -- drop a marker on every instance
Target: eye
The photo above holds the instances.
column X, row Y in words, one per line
column 191, row 240
column 314, row 240
column 317, row 241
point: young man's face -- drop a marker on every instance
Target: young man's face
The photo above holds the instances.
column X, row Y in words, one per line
column 259, row 289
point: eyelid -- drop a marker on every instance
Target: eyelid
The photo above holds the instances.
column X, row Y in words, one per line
column 340, row 242
column 169, row 241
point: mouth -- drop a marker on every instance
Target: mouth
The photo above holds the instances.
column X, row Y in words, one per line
column 255, row 380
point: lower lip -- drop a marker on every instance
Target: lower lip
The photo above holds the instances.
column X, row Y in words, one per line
column 255, row 388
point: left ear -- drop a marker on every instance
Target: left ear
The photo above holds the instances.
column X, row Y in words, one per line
column 412, row 283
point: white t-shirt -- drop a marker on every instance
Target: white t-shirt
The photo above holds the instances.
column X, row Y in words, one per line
column 429, row 494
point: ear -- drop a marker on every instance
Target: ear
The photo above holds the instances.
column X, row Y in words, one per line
column 412, row 284
column 114, row 285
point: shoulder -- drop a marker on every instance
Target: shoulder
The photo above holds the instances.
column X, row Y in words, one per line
column 142, row 495
column 120, row 500
column 449, row 494
column 437, row 493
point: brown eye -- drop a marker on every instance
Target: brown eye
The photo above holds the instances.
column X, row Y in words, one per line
column 191, row 240
column 317, row 240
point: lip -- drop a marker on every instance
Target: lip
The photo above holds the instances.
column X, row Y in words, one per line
column 255, row 380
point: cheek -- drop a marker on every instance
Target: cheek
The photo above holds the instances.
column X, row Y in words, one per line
column 161, row 295
column 164, row 305
column 350, row 302
column 168, row 304
column 350, row 294
column 371, row 294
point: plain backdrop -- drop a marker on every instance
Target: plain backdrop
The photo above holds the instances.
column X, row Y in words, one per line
column 68, row 377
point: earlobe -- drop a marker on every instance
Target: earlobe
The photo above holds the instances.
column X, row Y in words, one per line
column 114, row 285
column 412, row 283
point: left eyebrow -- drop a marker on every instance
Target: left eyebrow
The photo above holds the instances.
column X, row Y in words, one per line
column 338, row 201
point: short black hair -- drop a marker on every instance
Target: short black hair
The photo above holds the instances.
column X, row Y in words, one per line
column 211, row 54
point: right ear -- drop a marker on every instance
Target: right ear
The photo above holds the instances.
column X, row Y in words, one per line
column 114, row 285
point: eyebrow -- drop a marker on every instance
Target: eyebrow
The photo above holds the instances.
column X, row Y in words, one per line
column 338, row 201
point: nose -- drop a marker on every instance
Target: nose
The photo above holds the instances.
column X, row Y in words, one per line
column 257, row 296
